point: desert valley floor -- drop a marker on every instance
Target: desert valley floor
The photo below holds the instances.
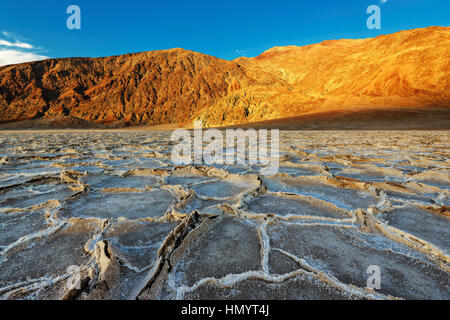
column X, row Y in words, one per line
column 110, row 205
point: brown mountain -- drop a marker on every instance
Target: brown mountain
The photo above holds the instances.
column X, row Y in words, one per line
column 143, row 88
column 406, row 69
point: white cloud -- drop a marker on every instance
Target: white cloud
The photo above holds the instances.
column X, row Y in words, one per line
column 11, row 56
column 22, row 52
column 241, row 53
column 16, row 44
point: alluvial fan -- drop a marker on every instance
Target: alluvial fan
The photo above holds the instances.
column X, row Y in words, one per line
column 110, row 212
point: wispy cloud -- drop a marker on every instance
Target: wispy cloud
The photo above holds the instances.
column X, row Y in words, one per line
column 240, row 53
column 15, row 44
column 15, row 56
column 13, row 51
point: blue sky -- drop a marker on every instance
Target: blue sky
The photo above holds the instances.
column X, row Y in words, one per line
column 32, row 30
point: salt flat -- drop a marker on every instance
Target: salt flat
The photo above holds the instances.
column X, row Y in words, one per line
column 113, row 205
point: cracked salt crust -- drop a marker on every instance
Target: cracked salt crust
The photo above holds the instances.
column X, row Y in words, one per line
column 113, row 204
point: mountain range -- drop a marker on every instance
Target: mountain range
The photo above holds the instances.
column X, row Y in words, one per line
column 405, row 70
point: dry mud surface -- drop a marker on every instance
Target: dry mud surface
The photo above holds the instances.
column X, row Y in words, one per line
column 111, row 210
